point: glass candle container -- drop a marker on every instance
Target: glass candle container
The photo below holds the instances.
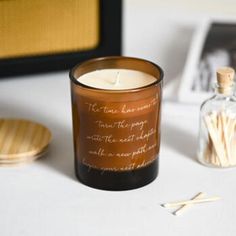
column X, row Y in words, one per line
column 116, row 122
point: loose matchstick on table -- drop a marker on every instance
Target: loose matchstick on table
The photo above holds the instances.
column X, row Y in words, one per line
column 180, row 203
column 183, row 208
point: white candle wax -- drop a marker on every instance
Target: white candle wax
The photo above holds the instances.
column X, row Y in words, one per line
column 116, row 79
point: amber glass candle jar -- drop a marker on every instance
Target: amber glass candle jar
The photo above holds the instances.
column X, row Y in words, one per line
column 116, row 121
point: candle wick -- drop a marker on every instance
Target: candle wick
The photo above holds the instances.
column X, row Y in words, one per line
column 117, row 82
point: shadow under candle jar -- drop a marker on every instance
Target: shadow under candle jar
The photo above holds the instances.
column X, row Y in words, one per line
column 116, row 127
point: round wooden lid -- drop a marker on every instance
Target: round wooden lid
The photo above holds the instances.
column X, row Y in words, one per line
column 22, row 139
column 21, row 161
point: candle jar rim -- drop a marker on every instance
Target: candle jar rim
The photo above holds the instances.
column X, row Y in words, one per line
column 98, row 60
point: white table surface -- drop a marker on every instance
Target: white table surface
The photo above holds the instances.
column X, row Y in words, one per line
column 44, row 198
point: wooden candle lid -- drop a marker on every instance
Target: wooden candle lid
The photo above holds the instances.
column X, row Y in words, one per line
column 21, row 161
column 22, row 141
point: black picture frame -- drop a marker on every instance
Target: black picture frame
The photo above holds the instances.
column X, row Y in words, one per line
column 110, row 44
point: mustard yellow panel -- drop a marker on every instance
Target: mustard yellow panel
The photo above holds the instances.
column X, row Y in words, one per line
column 38, row 27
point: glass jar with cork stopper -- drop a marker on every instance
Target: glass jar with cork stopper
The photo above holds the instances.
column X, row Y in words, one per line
column 217, row 132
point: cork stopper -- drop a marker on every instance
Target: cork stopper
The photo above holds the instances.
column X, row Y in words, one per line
column 225, row 79
column 225, row 76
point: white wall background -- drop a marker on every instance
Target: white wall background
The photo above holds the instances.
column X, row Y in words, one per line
column 166, row 27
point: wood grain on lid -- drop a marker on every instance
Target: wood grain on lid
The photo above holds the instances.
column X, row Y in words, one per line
column 21, row 161
column 22, row 138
